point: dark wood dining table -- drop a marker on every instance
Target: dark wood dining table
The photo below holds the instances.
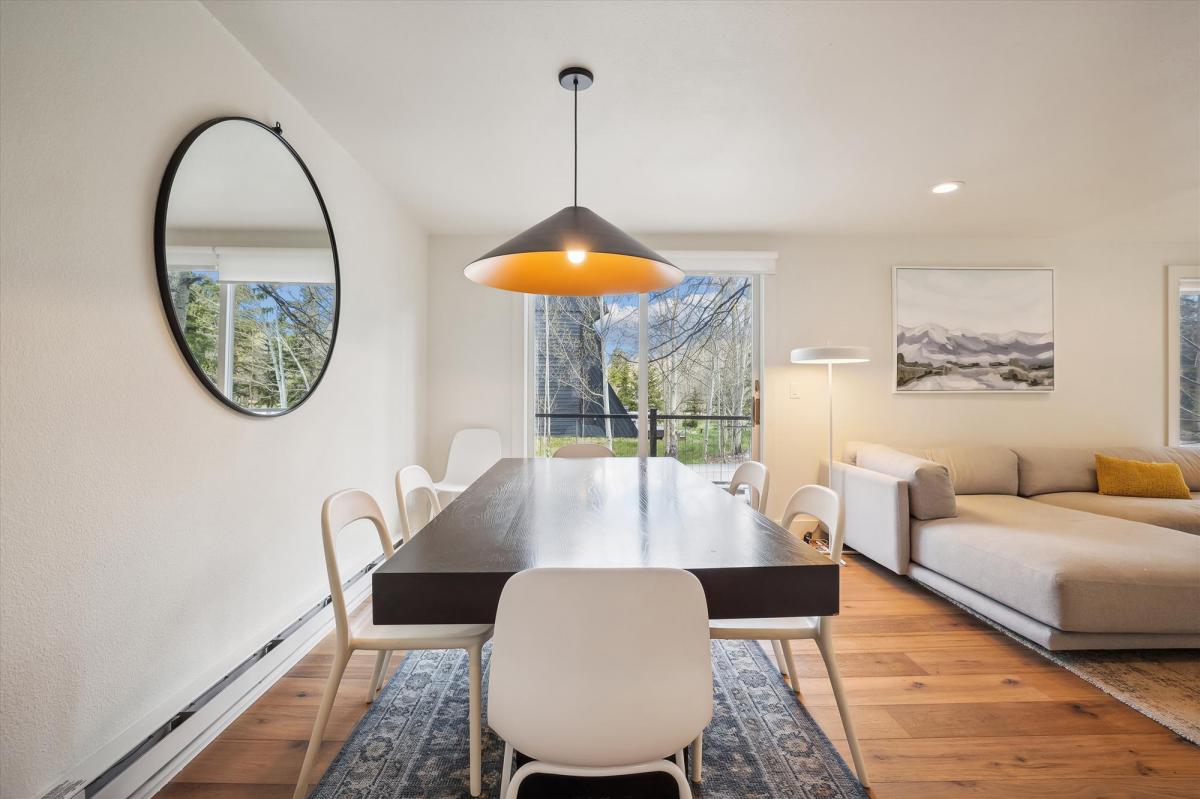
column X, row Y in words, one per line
column 525, row 513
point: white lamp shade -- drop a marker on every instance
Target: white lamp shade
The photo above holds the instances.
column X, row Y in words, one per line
column 831, row 355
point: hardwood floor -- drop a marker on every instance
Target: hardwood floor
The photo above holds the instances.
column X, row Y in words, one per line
column 946, row 707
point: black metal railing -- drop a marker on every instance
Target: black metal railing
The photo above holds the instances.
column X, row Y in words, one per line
column 654, row 418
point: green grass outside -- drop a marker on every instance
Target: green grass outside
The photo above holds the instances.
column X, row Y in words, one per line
column 691, row 446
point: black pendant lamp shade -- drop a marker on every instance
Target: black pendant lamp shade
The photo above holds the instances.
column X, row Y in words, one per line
column 575, row 252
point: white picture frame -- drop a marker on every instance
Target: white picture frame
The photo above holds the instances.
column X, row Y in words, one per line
column 983, row 312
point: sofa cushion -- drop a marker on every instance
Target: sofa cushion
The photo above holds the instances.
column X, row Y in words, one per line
column 977, row 470
column 1119, row 477
column 930, row 492
column 1046, row 470
column 1050, row 470
column 1073, row 570
column 1177, row 514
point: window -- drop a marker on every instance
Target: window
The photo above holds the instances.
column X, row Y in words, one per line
column 1183, row 352
column 673, row 373
column 261, row 343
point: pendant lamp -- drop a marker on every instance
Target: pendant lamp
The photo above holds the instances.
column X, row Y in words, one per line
column 575, row 252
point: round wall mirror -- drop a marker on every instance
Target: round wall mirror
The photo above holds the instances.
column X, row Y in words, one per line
column 247, row 266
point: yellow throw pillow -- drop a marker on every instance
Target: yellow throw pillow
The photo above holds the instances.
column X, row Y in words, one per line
column 1123, row 478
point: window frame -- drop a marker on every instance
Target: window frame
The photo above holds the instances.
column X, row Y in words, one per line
column 695, row 263
column 1175, row 276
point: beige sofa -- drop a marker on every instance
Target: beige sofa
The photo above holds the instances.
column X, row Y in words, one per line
column 1021, row 536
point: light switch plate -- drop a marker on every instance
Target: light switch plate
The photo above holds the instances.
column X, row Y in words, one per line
column 796, row 391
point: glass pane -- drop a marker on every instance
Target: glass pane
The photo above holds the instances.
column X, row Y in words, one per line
column 196, row 299
column 282, row 336
column 585, row 372
column 1189, row 369
column 701, row 375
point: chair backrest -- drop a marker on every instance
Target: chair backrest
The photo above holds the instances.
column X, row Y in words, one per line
column 824, row 504
column 472, row 452
column 584, row 449
column 411, row 480
column 755, row 476
column 340, row 510
column 600, row 667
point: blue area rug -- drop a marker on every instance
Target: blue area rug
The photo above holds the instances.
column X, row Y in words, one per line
column 761, row 743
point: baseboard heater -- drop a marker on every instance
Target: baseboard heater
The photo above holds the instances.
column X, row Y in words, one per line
column 71, row 789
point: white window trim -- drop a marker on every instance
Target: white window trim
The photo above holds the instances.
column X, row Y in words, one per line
column 1175, row 274
column 717, row 262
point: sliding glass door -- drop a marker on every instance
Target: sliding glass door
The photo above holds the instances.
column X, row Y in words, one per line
column 673, row 373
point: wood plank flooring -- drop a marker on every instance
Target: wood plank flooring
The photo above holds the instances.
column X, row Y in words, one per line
column 946, row 707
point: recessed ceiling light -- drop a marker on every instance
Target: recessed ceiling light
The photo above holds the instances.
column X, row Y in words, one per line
column 948, row 187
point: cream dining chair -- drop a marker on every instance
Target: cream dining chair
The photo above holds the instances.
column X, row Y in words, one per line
column 413, row 480
column 339, row 511
column 472, row 452
column 584, row 449
column 825, row 505
column 757, row 479
column 599, row 672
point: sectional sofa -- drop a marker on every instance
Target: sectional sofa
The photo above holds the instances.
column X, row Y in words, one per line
column 1021, row 536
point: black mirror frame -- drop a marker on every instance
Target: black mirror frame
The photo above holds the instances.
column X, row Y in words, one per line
column 160, row 261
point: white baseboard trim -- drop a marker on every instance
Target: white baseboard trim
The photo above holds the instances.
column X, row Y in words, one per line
column 156, row 766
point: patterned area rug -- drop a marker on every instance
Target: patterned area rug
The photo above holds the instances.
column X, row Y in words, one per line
column 761, row 743
column 1161, row 684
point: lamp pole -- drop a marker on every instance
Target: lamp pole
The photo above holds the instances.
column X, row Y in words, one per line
column 829, row 356
column 829, row 392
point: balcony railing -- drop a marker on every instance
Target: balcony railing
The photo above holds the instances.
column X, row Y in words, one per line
column 740, row 425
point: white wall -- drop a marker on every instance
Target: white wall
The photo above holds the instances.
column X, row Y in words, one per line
column 151, row 538
column 1110, row 356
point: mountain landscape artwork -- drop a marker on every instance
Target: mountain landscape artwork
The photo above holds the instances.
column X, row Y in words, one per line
column 974, row 329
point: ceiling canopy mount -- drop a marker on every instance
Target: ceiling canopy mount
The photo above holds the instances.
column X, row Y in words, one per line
column 575, row 78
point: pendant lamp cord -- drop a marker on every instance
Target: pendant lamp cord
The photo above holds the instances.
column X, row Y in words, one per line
column 575, row 92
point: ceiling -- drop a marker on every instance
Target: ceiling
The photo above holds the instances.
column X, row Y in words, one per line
column 829, row 118
column 237, row 175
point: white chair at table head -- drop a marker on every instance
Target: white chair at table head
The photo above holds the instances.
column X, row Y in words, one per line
column 599, row 672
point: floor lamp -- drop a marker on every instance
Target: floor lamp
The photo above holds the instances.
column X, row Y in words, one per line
column 829, row 356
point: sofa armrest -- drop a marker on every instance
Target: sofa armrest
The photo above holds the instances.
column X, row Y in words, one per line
column 876, row 514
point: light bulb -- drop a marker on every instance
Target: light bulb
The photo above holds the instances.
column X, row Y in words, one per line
column 576, row 256
column 949, row 187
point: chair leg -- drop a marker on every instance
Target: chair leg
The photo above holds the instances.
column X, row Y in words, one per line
column 697, row 755
column 793, row 675
column 314, row 742
column 506, row 774
column 779, row 659
column 825, row 644
column 538, row 767
column 381, row 662
column 685, row 790
column 475, row 655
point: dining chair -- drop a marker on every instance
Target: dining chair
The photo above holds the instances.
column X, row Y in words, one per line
column 412, row 480
column 755, row 477
column 584, row 449
column 339, row 511
column 599, row 672
column 472, row 452
column 820, row 502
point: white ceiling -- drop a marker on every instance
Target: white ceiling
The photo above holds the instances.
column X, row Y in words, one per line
column 237, row 175
column 757, row 117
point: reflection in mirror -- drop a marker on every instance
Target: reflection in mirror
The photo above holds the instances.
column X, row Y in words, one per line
column 250, row 268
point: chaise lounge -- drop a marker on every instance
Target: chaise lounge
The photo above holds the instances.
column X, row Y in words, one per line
column 1022, row 537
